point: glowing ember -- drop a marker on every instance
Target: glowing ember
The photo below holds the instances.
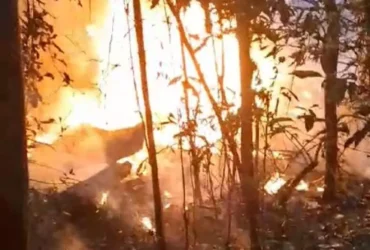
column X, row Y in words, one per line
column 274, row 184
column 167, row 206
column 147, row 223
column 302, row 186
column 320, row 189
column 167, row 194
column 104, row 198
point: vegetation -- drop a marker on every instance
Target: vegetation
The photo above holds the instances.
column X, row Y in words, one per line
column 226, row 200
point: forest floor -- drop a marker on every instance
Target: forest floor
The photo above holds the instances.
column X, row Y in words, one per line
column 67, row 221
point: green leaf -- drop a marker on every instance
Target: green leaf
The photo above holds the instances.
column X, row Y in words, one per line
column 306, row 73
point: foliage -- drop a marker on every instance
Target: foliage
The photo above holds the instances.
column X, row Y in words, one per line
column 39, row 41
column 38, row 37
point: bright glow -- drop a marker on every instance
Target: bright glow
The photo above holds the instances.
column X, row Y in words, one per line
column 104, row 198
column 254, row 153
column 277, row 155
column 302, row 186
column 274, row 184
column 277, row 181
column 115, row 106
column 91, row 31
column 46, row 138
column 147, row 223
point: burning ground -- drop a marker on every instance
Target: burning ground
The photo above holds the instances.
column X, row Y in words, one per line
column 119, row 215
column 113, row 208
column 90, row 187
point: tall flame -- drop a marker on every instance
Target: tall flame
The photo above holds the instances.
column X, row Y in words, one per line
column 115, row 42
column 117, row 103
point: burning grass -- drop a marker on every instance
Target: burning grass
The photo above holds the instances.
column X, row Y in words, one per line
column 68, row 220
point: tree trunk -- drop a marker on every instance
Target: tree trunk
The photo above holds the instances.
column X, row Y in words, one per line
column 367, row 40
column 246, row 169
column 13, row 155
column 329, row 62
column 161, row 244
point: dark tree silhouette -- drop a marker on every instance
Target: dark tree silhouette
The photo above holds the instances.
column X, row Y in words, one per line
column 329, row 62
column 246, row 169
column 161, row 243
column 14, row 173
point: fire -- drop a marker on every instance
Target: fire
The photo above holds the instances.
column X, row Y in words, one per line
column 104, row 198
column 114, row 67
column 147, row 223
column 118, row 105
column 274, row 184
column 277, row 181
column 302, row 186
